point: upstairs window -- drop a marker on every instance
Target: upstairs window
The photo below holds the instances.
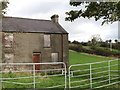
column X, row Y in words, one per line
column 54, row 57
column 46, row 41
column 8, row 39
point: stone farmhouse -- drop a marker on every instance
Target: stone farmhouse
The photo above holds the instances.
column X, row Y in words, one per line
column 33, row 41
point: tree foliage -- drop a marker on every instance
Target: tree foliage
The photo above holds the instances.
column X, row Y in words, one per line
column 3, row 6
column 95, row 39
column 107, row 11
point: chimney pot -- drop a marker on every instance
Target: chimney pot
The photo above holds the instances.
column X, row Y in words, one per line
column 54, row 18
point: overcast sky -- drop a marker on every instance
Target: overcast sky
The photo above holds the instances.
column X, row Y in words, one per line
column 80, row 30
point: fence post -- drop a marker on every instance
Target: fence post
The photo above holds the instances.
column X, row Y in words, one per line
column 109, row 70
column 65, row 75
column 90, row 75
column 69, row 76
column 34, row 75
column 62, row 72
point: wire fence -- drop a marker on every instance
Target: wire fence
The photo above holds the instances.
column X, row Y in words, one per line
column 94, row 75
column 26, row 74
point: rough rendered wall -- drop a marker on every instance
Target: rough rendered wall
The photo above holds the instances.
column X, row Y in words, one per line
column 24, row 44
column 65, row 49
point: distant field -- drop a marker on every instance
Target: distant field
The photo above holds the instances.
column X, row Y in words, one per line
column 78, row 58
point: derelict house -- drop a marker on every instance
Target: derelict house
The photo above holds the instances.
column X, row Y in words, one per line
column 34, row 41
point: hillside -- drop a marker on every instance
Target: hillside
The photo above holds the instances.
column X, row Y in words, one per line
column 79, row 58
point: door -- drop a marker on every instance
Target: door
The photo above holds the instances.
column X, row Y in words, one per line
column 36, row 59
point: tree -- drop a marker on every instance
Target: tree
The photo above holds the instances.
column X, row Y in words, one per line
column 95, row 39
column 75, row 42
column 69, row 42
column 107, row 11
column 3, row 6
column 107, row 41
column 110, row 41
column 116, row 41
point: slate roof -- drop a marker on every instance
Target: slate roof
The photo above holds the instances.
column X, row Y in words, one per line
column 14, row 24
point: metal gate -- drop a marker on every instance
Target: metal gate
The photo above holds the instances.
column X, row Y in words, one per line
column 90, row 75
column 94, row 75
column 25, row 74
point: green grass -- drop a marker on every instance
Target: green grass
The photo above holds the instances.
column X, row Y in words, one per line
column 78, row 58
column 86, row 47
column 44, row 81
column 75, row 58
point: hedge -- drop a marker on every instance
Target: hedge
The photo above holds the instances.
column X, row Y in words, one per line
column 93, row 50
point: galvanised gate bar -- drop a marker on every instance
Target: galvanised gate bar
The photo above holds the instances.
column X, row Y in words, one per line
column 89, row 75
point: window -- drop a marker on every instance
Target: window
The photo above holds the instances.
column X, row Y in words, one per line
column 8, row 39
column 9, row 58
column 47, row 41
column 54, row 57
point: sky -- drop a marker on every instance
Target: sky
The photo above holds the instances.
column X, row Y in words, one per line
column 81, row 29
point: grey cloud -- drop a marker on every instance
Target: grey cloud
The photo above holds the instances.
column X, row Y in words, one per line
column 114, row 31
column 38, row 7
column 119, row 30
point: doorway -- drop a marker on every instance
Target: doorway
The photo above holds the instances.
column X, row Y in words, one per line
column 36, row 59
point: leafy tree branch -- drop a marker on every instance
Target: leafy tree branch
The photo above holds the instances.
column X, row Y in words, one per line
column 109, row 12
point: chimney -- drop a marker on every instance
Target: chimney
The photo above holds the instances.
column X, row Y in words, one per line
column 54, row 18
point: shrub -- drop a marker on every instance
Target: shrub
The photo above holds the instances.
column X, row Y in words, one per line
column 103, row 52
column 87, row 51
column 104, row 44
column 79, row 48
column 76, row 47
column 93, row 47
column 93, row 50
column 116, row 46
column 116, row 54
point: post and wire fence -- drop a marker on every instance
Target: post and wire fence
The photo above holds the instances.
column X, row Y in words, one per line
column 94, row 75
column 26, row 75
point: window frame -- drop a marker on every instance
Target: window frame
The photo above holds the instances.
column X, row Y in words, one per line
column 54, row 58
column 44, row 42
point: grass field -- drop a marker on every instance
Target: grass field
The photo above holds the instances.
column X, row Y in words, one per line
column 75, row 58
column 78, row 58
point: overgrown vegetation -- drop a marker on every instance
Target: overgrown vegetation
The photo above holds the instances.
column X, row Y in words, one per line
column 100, row 48
column 3, row 7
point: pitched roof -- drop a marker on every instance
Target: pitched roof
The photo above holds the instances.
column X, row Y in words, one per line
column 14, row 24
